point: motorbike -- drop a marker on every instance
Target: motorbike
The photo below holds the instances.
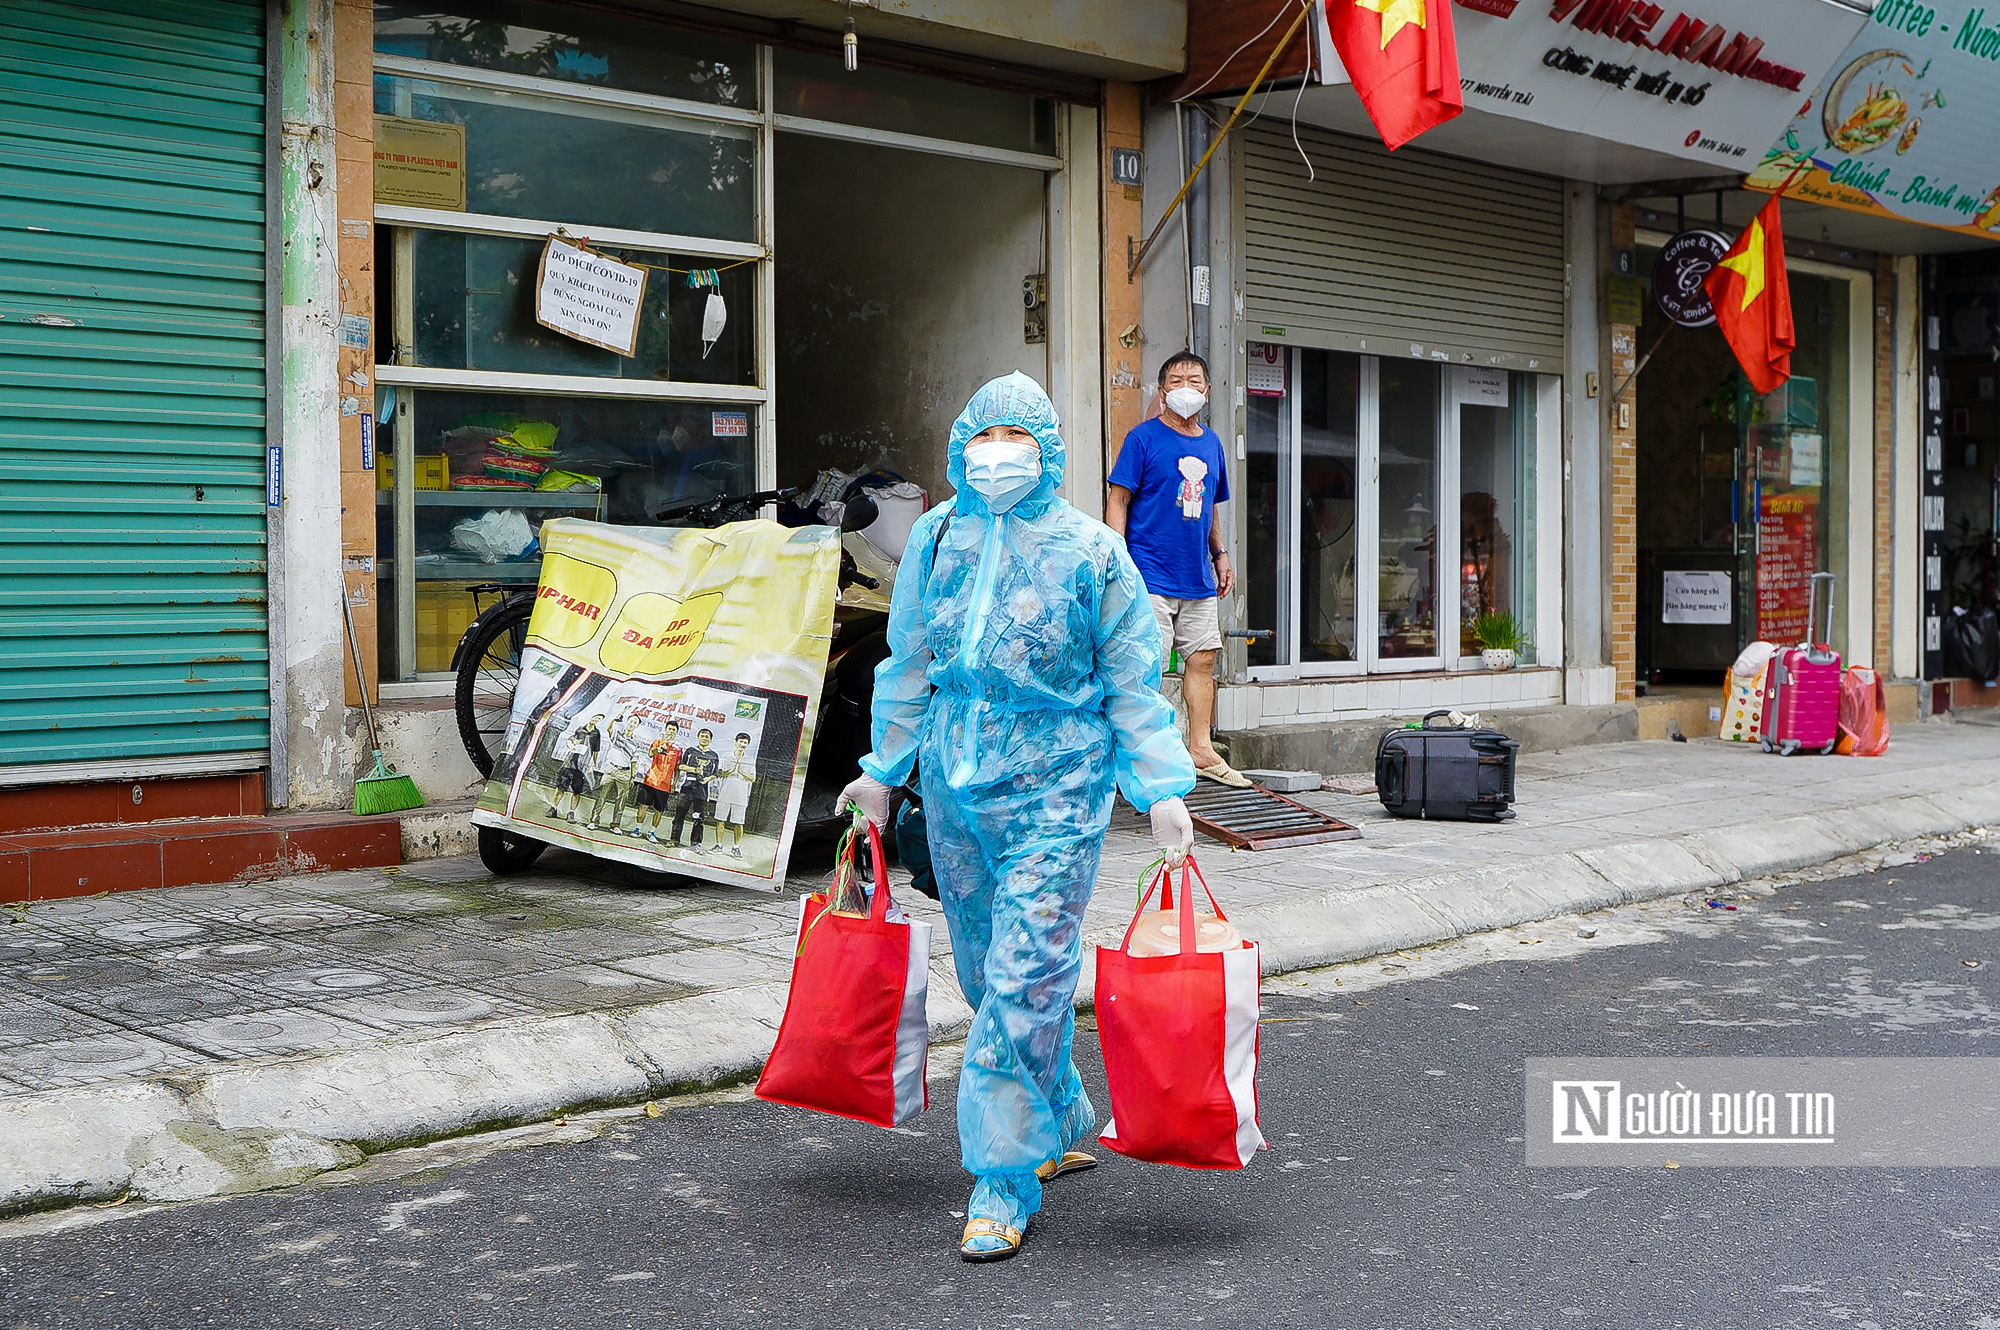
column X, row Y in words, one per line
column 487, row 666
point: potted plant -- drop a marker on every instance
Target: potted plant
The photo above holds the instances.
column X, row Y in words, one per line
column 1499, row 636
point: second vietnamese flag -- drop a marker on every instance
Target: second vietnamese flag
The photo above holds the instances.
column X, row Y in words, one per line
column 1753, row 301
column 1403, row 61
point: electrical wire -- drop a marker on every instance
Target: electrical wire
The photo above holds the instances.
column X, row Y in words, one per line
column 1312, row 176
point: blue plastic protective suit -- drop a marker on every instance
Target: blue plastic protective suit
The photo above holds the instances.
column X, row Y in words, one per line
column 1024, row 670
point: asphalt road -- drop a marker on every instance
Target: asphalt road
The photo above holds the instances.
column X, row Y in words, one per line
column 1395, row 1193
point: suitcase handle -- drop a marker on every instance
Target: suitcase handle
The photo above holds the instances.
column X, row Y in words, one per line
column 1812, row 610
column 1433, row 715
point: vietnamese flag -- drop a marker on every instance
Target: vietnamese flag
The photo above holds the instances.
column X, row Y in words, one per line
column 1753, row 301
column 1403, row 61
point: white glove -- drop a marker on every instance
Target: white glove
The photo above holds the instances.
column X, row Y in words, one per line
column 1173, row 830
column 871, row 796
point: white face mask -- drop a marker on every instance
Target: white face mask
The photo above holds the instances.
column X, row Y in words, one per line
column 1003, row 471
column 1186, row 402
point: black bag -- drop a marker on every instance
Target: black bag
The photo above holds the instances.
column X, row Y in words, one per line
column 1451, row 772
column 1972, row 644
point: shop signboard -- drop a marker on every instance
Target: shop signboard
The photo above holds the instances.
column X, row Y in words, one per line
column 589, row 296
column 668, row 688
column 1704, row 80
column 419, row 163
column 1902, row 123
column 1679, row 275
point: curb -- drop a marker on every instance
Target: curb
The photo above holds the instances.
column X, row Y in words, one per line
column 276, row 1122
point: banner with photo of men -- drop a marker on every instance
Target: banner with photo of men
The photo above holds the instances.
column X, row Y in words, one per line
column 668, row 687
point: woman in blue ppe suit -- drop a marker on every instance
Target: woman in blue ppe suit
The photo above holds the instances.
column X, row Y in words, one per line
column 1024, row 672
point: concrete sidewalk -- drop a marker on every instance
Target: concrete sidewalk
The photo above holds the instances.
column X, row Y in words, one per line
column 201, row 1040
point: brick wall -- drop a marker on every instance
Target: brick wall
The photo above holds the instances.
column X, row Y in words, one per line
column 1623, row 474
column 354, row 125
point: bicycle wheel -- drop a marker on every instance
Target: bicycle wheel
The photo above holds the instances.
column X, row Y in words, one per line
column 487, row 674
column 507, row 852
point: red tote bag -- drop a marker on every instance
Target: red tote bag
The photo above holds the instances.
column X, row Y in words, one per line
column 856, row 1034
column 1180, row 1043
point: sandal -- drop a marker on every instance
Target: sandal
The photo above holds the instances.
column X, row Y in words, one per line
column 1072, row 1161
column 988, row 1228
column 1224, row 774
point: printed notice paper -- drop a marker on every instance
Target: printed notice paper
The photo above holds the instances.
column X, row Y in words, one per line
column 1695, row 597
column 590, row 297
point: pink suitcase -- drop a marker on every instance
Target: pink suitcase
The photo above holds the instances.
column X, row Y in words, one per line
column 1802, row 688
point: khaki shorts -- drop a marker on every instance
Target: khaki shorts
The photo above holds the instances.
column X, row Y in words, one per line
column 1187, row 625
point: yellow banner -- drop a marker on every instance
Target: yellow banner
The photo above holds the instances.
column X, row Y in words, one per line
column 668, row 691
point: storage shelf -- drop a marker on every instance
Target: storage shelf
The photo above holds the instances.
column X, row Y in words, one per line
column 513, row 572
column 494, row 499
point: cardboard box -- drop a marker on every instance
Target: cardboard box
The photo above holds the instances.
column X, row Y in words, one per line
column 433, row 473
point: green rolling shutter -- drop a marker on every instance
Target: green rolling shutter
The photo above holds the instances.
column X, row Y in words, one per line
column 132, row 295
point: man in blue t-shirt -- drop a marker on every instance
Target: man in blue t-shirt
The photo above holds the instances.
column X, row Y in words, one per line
column 1170, row 475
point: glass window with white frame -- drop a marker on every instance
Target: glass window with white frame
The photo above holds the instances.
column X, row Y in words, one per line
column 642, row 140
column 654, row 145
column 1390, row 511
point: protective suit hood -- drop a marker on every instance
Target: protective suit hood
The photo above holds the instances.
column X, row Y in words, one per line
column 1012, row 399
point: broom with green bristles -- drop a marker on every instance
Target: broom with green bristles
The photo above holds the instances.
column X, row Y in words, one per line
column 381, row 790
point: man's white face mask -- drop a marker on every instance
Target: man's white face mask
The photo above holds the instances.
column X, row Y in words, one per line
column 1003, row 471
column 1186, row 402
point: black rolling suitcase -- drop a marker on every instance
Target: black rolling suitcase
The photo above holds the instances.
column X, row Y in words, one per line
column 1449, row 772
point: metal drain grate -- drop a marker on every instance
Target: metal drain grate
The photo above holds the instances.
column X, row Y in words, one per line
column 1257, row 819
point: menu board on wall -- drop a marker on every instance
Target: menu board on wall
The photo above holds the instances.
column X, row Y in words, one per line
column 1787, row 557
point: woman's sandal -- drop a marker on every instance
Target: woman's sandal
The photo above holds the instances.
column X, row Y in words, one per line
column 1072, row 1161
column 988, row 1228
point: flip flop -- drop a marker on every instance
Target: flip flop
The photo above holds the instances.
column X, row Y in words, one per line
column 1072, row 1161
column 988, row 1228
column 1224, row 774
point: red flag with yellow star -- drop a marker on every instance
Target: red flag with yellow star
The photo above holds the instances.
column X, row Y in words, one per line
column 1403, row 60
column 1753, row 301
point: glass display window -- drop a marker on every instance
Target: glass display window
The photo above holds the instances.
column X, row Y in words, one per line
column 524, row 154
column 549, row 41
column 471, row 302
column 1390, row 503
column 486, row 469
column 816, row 87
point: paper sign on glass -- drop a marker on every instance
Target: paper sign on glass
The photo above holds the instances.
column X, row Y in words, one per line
column 1695, row 598
column 589, row 296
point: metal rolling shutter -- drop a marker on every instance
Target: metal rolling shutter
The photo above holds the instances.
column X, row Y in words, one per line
column 1395, row 251
column 132, row 293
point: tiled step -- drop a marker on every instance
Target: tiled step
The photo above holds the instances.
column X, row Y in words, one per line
column 81, row 861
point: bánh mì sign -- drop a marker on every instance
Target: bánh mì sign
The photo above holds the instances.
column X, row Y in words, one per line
column 1902, row 124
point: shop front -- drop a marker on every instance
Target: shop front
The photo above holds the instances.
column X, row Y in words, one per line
column 1744, row 497
column 1429, row 383
column 832, row 261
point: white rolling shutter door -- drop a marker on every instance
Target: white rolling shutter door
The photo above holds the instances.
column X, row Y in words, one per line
column 1414, row 254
